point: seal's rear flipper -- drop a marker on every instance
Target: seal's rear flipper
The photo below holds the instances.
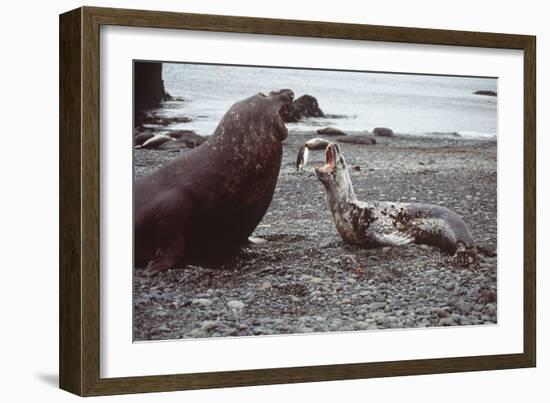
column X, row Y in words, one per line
column 164, row 259
column 466, row 257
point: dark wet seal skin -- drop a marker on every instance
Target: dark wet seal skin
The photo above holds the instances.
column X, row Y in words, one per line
column 207, row 202
column 380, row 223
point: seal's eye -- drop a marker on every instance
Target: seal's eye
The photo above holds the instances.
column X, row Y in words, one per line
column 262, row 94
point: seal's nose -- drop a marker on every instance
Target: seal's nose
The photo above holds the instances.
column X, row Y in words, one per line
column 287, row 95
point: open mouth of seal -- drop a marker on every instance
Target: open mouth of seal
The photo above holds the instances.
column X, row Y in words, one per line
column 284, row 111
column 330, row 159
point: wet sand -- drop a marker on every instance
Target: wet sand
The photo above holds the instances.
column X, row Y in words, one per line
column 306, row 279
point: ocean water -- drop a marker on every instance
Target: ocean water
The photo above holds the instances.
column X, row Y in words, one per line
column 406, row 103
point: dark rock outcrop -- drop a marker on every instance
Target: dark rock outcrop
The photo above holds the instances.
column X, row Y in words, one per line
column 148, row 88
column 486, row 92
column 303, row 107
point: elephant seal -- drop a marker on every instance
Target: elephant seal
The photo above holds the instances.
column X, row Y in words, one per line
column 381, row 223
column 316, row 143
column 207, row 202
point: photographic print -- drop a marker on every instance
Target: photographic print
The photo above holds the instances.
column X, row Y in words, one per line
column 273, row 200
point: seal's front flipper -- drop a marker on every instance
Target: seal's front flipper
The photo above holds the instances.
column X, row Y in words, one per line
column 165, row 259
column 396, row 238
column 466, row 256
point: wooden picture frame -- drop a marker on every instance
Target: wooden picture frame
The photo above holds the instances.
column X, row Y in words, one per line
column 79, row 346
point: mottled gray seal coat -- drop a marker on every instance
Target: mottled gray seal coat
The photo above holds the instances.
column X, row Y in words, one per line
column 204, row 204
column 381, row 223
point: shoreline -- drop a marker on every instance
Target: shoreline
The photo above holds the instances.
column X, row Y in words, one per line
column 306, row 279
column 160, row 123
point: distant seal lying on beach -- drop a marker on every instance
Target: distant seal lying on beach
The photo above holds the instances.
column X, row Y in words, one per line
column 207, row 202
column 357, row 139
column 168, row 140
column 380, row 223
column 383, row 132
column 330, row 131
column 156, row 141
column 183, row 139
column 141, row 138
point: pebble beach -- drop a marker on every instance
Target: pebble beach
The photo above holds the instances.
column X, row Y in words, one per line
column 300, row 277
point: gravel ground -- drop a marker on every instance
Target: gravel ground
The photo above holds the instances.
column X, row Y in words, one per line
column 306, row 279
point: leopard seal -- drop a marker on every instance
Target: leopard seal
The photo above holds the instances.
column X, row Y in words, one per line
column 207, row 202
column 383, row 223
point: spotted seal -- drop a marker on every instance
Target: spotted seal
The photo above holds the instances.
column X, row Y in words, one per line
column 382, row 223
